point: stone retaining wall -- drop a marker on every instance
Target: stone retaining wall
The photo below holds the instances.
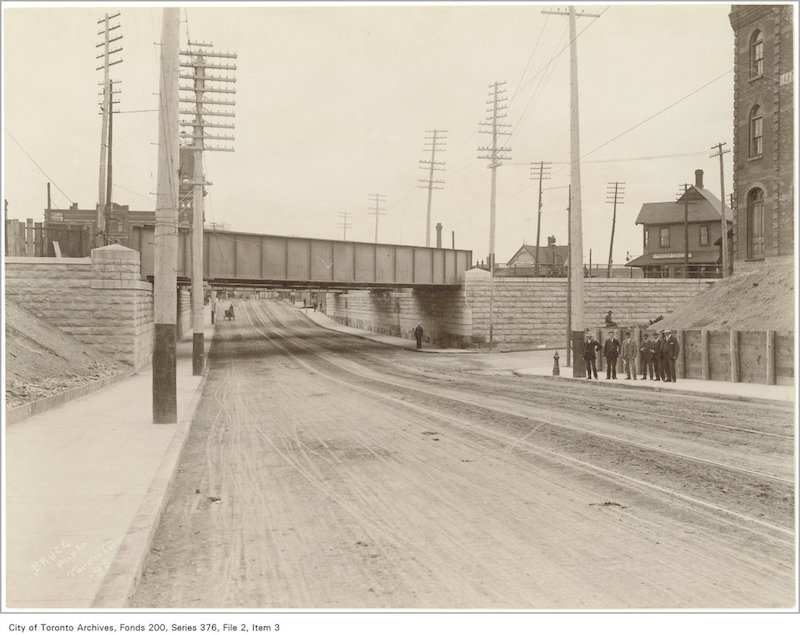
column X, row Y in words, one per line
column 527, row 313
column 444, row 316
column 531, row 313
column 102, row 301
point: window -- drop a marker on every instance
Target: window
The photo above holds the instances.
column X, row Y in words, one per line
column 756, row 131
column 646, row 238
column 755, row 223
column 756, row 55
column 703, row 234
column 663, row 237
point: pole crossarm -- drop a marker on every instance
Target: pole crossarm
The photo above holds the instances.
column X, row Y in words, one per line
column 218, row 67
column 210, row 113
column 581, row 14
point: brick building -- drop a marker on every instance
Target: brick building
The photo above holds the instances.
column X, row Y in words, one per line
column 763, row 137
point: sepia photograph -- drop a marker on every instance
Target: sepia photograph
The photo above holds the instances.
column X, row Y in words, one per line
column 457, row 316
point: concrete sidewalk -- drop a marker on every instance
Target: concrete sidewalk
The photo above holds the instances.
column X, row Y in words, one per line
column 84, row 483
column 540, row 363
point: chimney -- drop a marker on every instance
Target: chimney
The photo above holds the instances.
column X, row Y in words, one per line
column 698, row 179
column 438, row 235
column 551, row 240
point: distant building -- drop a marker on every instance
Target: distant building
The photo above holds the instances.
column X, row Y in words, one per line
column 664, row 231
column 763, row 137
column 76, row 229
column 552, row 259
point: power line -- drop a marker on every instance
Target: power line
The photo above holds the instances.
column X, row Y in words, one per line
column 654, row 115
column 37, row 165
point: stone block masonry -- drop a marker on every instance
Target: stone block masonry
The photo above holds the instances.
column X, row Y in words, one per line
column 531, row 313
column 102, row 301
column 527, row 313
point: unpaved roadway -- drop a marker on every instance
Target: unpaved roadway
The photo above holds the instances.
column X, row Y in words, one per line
column 328, row 471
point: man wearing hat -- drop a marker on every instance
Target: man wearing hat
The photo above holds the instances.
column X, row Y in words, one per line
column 611, row 353
column 647, row 356
column 658, row 358
column 670, row 352
column 629, row 354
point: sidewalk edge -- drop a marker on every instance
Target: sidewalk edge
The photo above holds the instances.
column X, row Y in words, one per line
column 678, row 391
column 20, row 413
column 120, row 582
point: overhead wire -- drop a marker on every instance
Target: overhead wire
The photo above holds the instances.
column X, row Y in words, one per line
column 41, row 169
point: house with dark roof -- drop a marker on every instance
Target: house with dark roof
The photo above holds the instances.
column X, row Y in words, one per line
column 552, row 259
column 665, row 227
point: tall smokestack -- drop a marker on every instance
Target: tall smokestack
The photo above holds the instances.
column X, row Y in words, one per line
column 438, row 235
column 698, row 179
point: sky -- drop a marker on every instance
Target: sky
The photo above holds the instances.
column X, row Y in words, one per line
column 333, row 103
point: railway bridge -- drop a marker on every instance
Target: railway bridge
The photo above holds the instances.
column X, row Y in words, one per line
column 260, row 260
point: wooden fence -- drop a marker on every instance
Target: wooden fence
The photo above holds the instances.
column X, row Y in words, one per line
column 33, row 240
column 752, row 357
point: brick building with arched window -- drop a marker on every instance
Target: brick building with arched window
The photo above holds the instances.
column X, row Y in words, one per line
column 763, row 133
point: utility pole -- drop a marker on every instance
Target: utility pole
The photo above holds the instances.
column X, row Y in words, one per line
column 103, row 206
column 543, row 173
column 434, row 143
column 724, row 234
column 569, row 273
column 496, row 154
column 165, row 270
column 576, row 229
column 198, row 59
column 344, row 223
column 377, row 199
column 685, row 197
column 613, row 197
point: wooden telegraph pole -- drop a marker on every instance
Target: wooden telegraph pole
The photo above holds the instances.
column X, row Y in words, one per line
column 198, row 59
column 719, row 152
column 543, row 172
column 685, row 197
column 612, row 197
column 165, row 273
column 576, row 229
column 377, row 199
column 496, row 154
column 435, row 143
column 103, row 209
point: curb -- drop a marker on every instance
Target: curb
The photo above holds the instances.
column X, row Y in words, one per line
column 374, row 338
column 20, row 413
column 684, row 393
column 122, row 578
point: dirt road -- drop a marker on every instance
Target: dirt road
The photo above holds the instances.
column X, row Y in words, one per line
column 328, row 471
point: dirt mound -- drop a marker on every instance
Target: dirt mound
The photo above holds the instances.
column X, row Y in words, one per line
column 757, row 300
column 41, row 360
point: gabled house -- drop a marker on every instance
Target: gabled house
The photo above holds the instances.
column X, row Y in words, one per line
column 665, row 252
column 552, row 259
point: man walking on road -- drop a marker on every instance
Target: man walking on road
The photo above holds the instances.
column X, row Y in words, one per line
column 671, row 350
column 629, row 354
column 611, row 353
column 418, row 334
column 590, row 348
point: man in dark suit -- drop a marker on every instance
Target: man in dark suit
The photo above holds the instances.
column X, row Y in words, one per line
column 611, row 353
column 670, row 351
column 646, row 350
column 590, row 348
column 658, row 365
column 418, row 335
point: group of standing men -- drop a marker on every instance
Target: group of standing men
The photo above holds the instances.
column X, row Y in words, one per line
column 658, row 355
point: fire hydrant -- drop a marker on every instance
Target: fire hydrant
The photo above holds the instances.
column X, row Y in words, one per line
column 556, row 371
